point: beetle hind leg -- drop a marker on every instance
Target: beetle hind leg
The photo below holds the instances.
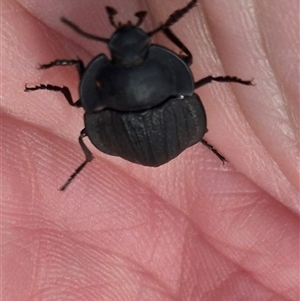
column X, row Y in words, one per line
column 88, row 158
column 211, row 148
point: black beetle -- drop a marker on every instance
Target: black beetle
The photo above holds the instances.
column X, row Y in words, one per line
column 140, row 105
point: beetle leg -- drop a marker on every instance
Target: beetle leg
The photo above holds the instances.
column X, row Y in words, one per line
column 82, row 32
column 211, row 148
column 64, row 90
column 174, row 17
column 88, row 158
column 78, row 63
column 222, row 79
column 187, row 57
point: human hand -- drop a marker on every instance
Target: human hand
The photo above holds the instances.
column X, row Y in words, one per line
column 188, row 230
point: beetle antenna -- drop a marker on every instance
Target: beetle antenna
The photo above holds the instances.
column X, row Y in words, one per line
column 178, row 14
column 111, row 13
column 141, row 16
column 83, row 33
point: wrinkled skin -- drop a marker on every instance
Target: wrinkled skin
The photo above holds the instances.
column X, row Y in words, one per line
column 189, row 230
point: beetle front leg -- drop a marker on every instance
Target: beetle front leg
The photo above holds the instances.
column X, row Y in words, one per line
column 187, row 57
column 79, row 65
column 64, row 90
column 88, row 158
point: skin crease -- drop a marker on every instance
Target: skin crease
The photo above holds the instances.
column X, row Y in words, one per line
column 189, row 230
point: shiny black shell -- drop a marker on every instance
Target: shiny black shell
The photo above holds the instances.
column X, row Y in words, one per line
column 149, row 137
column 162, row 74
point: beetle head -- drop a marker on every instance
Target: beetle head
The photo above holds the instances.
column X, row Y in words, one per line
column 129, row 45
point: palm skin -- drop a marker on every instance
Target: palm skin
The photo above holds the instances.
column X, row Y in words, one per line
column 188, row 230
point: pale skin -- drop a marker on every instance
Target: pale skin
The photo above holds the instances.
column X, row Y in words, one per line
column 189, row 230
